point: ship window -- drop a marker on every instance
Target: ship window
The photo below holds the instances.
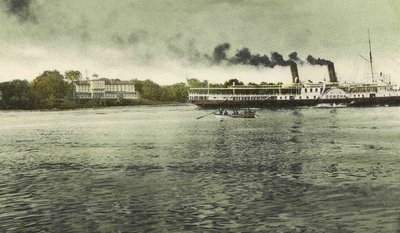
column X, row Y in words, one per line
column 305, row 90
column 307, row 97
column 316, row 89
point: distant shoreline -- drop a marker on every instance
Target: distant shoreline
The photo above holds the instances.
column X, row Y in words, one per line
column 95, row 107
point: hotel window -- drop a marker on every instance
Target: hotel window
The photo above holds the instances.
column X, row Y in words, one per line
column 305, row 90
column 310, row 89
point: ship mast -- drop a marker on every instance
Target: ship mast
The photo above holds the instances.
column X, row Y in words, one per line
column 370, row 57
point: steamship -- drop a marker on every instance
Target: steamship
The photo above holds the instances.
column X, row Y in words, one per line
column 324, row 94
column 332, row 93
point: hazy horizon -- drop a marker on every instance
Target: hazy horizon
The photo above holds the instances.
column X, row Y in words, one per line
column 168, row 41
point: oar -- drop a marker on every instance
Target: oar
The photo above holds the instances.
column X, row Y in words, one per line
column 204, row 115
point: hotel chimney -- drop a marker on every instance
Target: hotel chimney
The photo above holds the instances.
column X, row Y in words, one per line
column 332, row 73
column 295, row 72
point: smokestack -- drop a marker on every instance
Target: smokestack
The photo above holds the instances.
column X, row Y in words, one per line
column 332, row 73
column 295, row 72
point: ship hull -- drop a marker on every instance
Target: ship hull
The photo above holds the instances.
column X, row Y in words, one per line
column 350, row 102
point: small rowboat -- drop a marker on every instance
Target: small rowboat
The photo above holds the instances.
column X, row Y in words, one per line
column 236, row 115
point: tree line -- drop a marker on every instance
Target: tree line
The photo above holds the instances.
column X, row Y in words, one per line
column 231, row 82
column 52, row 89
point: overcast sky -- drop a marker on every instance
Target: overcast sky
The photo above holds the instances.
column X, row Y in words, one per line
column 168, row 40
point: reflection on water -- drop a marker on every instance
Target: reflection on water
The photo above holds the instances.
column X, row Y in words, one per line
column 159, row 169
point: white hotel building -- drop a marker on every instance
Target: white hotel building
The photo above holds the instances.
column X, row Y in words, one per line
column 104, row 89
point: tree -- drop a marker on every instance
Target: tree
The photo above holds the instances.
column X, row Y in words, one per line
column 138, row 85
column 193, row 82
column 72, row 76
column 17, row 94
column 150, row 90
column 176, row 93
column 232, row 82
column 49, row 89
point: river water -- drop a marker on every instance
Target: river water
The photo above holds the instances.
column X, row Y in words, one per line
column 159, row 169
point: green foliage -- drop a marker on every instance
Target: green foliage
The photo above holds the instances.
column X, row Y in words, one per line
column 150, row 90
column 17, row 94
column 193, row 82
column 175, row 93
column 216, row 85
column 73, row 75
column 50, row 89
column 232, row 82
column 138, row 85
column 152, row 93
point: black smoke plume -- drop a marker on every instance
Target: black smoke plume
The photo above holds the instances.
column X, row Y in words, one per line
column 258, row 60
column 242, row 56
column 245, row 57
column 318, row 61
column 219, row 53
column 293, row 57
column 277, row 59
column 22, row 9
